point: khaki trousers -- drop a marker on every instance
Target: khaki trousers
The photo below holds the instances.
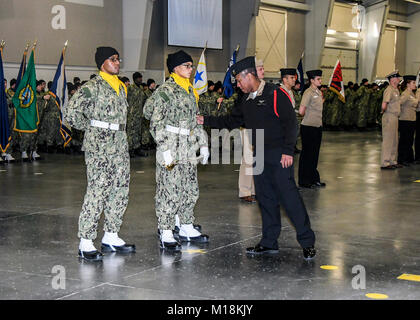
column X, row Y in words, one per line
column 246, row 181
column 389, row 139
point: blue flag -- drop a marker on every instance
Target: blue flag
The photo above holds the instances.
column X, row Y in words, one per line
column 300, row 75
column 5, row 136
column 59, row 92
column 22, row 69
column 229, row 79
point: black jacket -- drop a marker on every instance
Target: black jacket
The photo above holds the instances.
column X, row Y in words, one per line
column 278, row 120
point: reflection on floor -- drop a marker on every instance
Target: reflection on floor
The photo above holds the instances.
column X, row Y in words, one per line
column 366, row 223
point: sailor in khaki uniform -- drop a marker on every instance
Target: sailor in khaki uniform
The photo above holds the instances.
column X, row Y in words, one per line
column 391, row 112
column 311, row 132
column 407, row 122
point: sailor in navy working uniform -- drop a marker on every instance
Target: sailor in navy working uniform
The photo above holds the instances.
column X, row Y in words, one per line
column 269, row 108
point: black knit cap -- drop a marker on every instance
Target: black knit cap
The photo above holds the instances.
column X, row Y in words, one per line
column 314, row 73
column 241, row 65
column 103, row 53
column 287, row 72
column 176, row 59
column 409, row 78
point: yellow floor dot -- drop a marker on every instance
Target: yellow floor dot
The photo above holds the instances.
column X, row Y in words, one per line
column 329, row 267
column 410, row 277
column 376, row 296
column 194, row 251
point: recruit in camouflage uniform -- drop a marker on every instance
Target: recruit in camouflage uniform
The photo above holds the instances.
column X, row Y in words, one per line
column 336, row 111
column 49, row 135
column 168, row 109
column 135, row 98
column 363, row 97
column 106, row 154
column 146, row 138
column 11, row 113
column 28, row 142
column 349, row 108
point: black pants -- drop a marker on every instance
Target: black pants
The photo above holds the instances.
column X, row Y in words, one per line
column 417, row 142
column 405, row 144
column 274, row 187
column 308, row 161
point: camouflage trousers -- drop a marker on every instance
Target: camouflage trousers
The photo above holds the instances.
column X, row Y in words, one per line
column 146, row 137
column 134, row 135
column 176, row 193
column 108, row 178
column 27, row 141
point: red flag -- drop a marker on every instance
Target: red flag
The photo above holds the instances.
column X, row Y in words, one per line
column 336, row 82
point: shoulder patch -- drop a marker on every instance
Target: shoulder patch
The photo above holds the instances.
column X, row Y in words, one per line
column 164, row 96
column 86, row 92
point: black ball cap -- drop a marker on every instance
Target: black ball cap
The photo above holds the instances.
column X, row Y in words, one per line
column 241, row 65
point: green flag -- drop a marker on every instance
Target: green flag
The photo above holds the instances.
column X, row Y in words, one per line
column 24, row 100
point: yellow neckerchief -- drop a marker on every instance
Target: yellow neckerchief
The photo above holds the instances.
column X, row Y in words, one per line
column 113, row 81
column 185, row 84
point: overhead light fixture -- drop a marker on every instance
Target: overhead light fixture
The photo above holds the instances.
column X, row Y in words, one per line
column 353, row 34
column 357, row 22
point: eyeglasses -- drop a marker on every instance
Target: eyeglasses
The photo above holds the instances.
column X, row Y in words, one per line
column 188, row 66
column 114, row 60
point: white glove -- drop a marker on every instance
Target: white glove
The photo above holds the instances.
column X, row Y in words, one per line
column 167, row 157
column 204, row 152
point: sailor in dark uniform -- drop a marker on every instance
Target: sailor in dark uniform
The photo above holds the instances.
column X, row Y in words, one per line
column 268, row 109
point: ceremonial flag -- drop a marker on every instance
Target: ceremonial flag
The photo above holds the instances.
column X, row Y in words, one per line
column 200, row 78
column 24, row 100
column 22, row 68
column 300, row 75
column 336, row 82
column 5, row 136
column 59, row 92
column 229, row 80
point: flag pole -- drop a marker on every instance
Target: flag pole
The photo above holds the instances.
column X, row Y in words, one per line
column 34, row 46
column 2, row 44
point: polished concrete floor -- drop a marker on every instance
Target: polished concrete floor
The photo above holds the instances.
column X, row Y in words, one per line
column 367, row 224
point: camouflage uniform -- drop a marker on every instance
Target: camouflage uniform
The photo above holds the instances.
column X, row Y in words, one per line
column 135, row 98
column 348, row 108
column 106, row 154
column 205, row 103
column 146, row 138
column 29, row 141
column 363, row 95
column 176, row 190
column 76, row 138
column 327, row 110
column 50, row 135
column 297, row 95
column 336, row 111
column 11, row 113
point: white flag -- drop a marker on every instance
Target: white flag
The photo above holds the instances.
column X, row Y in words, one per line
column 200, row 78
